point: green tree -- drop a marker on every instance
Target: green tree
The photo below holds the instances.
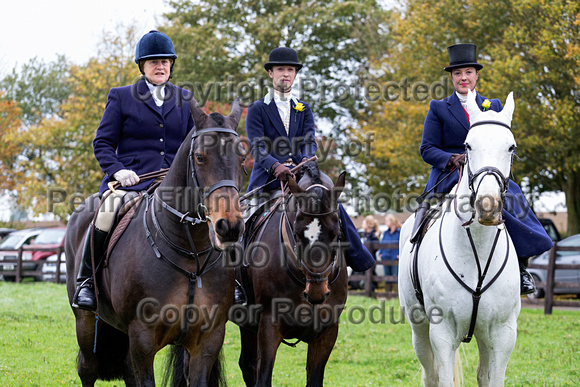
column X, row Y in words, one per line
column 222, row 46
column 38, row 87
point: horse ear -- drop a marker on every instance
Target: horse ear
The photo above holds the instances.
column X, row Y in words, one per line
column 294, row 187
column 508, row 109
column 471, row 106
column 235, row 114
column 338, row 186
column 197, row 113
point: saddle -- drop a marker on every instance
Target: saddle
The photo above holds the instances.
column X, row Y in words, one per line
column 123, row 216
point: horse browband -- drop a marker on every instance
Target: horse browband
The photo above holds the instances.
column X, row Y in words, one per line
column 490, row 122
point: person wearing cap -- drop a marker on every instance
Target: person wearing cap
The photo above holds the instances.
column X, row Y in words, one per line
column 281, row 132
column 142, row 128
column 443, row 147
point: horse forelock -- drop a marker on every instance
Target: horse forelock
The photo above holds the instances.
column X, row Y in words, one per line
column 219, row 119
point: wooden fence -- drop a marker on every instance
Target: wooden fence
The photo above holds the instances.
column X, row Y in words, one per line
column 549, row 285
column 370, row 279
column 15, row 265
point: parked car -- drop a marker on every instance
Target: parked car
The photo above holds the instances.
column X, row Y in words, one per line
column 11, row 244
column 48, row 238
column 49, row 268
column 561, row 275
column 4, row 232
column 551, row 229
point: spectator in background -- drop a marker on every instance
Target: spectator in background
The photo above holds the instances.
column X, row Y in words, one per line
column 391, row 235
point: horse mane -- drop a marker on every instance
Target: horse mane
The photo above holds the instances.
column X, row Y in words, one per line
column 311, row 168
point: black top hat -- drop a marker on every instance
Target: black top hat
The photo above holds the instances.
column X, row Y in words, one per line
column 462, row 55
column 283, row 56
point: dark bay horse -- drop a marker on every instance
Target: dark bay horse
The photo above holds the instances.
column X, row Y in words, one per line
column 167, row 281
column 296, row 281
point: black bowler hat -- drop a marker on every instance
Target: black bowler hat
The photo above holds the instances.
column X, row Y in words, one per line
column 462, row 55
column 283, row 56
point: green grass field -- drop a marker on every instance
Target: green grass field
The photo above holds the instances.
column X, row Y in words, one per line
column 38, row 346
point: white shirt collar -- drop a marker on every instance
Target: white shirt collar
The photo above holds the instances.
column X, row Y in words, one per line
column 268, row 98
column 157, row 91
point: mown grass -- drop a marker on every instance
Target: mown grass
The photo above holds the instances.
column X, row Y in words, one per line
column 38, row 346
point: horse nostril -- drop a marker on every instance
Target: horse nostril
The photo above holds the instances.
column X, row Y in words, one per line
column 229, row 231
column 221, row 226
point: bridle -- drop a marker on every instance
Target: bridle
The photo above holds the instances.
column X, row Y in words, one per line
column 311, row 276
column 503, row 181
column 204, row 193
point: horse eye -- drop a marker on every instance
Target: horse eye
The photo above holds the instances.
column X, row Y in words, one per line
column 467, row 146
column 512, row 148
column 199, row 157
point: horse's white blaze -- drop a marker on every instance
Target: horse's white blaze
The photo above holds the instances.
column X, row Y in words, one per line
column 313, row 231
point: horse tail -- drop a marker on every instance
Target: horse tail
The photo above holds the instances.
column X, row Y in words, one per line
column 112, row 349
column 174, row 367
column 175, row 372
column 458, row 369
column 217, row 377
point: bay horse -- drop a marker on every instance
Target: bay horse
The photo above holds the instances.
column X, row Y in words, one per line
column 296, row 281
column 167, row 280
column 464, row 280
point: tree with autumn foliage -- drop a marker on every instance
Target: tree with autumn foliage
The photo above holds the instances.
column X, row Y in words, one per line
column 10, row 147
column 57, row 168
column 527, row 46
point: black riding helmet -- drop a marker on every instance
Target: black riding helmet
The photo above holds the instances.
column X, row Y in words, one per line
column 155, row 45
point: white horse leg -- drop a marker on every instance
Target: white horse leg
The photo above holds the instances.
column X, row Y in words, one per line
column 424, row 352
column 499, row 355
column 483, row 366
column 444, row 346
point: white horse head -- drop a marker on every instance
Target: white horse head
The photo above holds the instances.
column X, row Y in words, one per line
column 490, row 146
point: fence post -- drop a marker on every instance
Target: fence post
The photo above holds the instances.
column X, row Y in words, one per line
column 59, row 253
column 19, row 265
column 369, row 281
column 549, row 291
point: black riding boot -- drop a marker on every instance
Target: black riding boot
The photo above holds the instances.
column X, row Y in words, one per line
column 419, row 215
column 84, row 297
column 527, row 284
column 240, row 295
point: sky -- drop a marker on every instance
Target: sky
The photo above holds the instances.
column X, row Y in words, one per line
column 43, row 29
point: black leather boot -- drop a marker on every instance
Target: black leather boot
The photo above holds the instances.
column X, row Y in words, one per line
column 240, row 295
column 419, row 215
column 84, row 297
column 527, row 285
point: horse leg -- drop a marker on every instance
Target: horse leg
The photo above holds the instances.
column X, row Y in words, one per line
column 483, row 366
column 498, row 351
column 143, row 352
column 249, row 356
column 204, row 358
column 269, row 339
column 88, row 362
column 318, row 354
column 443, row 341
column 424, row 352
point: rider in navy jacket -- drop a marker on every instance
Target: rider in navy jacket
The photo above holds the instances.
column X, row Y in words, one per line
column 443, row 147
column 269, row 141
column 277, row 142
column 141, row 130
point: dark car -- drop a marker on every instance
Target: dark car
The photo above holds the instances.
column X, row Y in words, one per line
column 551, row 229
column 561, row 275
